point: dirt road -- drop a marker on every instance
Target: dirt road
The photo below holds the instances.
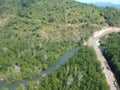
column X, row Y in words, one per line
column 94, row 42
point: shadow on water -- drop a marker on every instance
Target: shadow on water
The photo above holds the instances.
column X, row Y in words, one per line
column 102, row 48
column 61, row 61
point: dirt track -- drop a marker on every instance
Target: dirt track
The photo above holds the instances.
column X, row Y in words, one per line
column 94, row 42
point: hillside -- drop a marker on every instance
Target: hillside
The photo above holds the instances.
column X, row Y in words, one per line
column 112, row 52
column 35, row 33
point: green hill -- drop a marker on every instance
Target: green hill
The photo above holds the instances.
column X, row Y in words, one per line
column 112, row 52
column 34, row 33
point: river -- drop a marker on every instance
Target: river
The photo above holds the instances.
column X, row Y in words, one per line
column 61, row 61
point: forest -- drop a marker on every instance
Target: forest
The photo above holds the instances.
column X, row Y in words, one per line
column 81, row 72
column 35, row 33
column 112, row 52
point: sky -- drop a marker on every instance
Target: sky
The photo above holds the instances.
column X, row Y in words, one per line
column 92, row 1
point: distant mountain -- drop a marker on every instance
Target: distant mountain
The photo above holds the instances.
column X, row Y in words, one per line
column 104, row 4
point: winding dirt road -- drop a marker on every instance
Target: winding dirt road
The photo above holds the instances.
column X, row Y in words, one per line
column 94, row 42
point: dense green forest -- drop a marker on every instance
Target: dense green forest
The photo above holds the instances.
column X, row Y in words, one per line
column 111, row 16
column 112, row 52
column 82, row 72
column 34, row 33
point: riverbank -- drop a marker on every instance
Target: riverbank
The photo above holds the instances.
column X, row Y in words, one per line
column 94, row 43
column 61, row 61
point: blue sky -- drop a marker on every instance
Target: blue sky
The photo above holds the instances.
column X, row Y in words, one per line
column 91, row 1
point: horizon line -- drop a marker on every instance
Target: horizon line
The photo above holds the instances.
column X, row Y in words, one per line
column 97, row 2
